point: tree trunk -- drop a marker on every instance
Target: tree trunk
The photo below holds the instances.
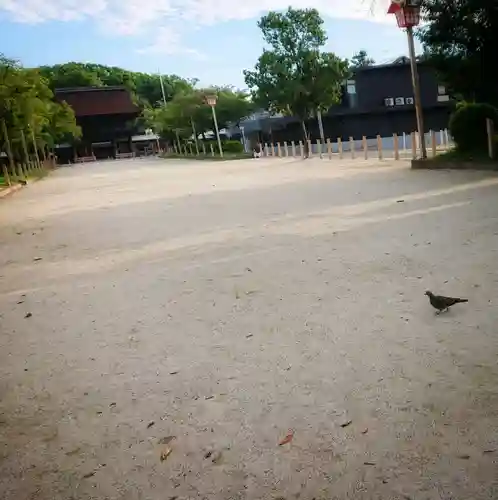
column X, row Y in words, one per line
column 9, row 154
column 305, row 139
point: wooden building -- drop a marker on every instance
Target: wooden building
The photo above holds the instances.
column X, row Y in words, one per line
column 106, row 116
column 376, row 100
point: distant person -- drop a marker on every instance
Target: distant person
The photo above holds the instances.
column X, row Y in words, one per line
column 256, row 153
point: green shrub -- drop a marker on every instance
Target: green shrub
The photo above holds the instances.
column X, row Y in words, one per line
column 232, row 147
column 468, row 125
column 227, row 146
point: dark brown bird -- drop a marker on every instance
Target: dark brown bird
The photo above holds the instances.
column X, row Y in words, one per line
column 442, row 303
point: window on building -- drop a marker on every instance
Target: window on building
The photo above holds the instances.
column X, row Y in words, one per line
column 351, row 92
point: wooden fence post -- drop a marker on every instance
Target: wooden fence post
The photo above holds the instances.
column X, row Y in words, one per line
column 329, row 149
column 351, row 147
column 293, row 146
column 319, row 146
column 279, row 150
column 379, row 146
column 212, row 150
column 286, row 149
column 433, row 143
column 301, row 150
column 339, row 147
column 404, row 143
column 365, row 147
column 203, row 148
column 414, row 145
column 396, row 146
column 310, row 150
column 491, row 137
column 190, row 149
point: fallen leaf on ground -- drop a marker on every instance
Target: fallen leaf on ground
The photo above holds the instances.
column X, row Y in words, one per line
column 165, row 454
column 150, row 424
column 216, row 457
column 36, row 259
column 166, row 439
column 400, row 201
column 369, row 463
column 173, row 373
column 28, row 315
column 345, row 424
column 249, row 336
column 489, row 451
column 89, row 474
column 365, row 430
column 288, row 438
column 464, row 456
column 208, row 454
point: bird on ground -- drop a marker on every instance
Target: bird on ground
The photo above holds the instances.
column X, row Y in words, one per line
column 442, row 303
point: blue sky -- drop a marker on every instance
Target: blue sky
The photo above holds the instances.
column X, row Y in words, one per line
column 212, row 40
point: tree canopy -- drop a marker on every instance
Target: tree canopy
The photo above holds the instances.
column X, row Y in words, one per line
column 294, row 75
column 461, row 42
column 188, row 111
column 27, row 107
column 361, row 59
column 146, row 87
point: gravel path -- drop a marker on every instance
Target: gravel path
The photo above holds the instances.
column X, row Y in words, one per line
column 165, row 325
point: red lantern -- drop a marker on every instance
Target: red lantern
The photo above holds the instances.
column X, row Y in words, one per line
column 407, row 12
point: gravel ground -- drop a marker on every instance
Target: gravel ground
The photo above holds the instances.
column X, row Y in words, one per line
column 165, row 325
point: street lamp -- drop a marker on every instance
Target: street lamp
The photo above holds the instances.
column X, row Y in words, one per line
column 407, row 14
column 211, row 100
column 243, row 138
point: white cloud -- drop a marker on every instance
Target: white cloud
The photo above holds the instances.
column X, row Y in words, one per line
column 134, row 17
column 168, row 42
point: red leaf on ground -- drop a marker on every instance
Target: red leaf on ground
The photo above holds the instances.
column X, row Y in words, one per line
column 288, row 438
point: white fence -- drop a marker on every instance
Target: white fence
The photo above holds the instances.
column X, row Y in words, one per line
column 402, row 146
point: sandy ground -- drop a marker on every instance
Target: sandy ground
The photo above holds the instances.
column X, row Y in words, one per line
column 200, row 311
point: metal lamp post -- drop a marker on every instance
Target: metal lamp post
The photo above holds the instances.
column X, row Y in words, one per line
column 211, row 101
column 243, row 138
column 407, row 14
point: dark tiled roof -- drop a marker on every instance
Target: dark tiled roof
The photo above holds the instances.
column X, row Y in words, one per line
column 92, row 101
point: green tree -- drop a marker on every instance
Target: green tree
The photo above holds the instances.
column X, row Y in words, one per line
column 461, row 42
column 188, row 114
column 233, row 105
column 27, row 108
column 361, row 59
column 61, row 125
column 70, row 75
column 295, row 76
column 146, row 87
